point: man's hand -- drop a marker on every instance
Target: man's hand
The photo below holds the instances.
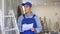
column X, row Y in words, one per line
column 32, row 29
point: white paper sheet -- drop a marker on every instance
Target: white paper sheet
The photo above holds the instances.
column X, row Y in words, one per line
column 27, row 26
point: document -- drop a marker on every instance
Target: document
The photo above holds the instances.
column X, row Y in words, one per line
column 27, row 26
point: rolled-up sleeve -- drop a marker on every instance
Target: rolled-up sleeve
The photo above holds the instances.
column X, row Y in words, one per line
column 19, row 23
column 39, row 26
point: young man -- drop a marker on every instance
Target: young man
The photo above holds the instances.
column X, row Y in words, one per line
column 29, row 23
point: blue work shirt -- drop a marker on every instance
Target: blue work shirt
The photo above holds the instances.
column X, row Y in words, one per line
column 38, row 22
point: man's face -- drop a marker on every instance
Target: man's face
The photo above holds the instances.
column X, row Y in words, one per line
column 27, row 8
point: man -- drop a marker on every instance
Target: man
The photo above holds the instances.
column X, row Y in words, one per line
column 28, row 19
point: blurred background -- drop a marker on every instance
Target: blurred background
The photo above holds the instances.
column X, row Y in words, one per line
column 47, row 10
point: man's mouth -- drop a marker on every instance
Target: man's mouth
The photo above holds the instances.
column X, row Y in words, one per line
column 26, row 12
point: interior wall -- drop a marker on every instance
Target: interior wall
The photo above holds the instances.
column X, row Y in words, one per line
column 0, row 4
column 49, row 12
column 0, row 14
column 49, row 9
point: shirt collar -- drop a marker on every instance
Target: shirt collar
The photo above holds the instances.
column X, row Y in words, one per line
column 30, row 15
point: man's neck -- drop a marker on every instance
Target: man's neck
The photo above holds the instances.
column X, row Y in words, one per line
column 28, row 14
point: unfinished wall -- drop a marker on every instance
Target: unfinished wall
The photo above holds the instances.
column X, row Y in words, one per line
column 48, row 9
column 49, row 12
column 0, row 4
column 0, row 14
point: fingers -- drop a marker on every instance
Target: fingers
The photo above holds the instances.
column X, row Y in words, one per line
column 32, row 29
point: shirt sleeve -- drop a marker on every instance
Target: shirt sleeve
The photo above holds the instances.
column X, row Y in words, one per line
column 39, row 26
column 20, row 23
